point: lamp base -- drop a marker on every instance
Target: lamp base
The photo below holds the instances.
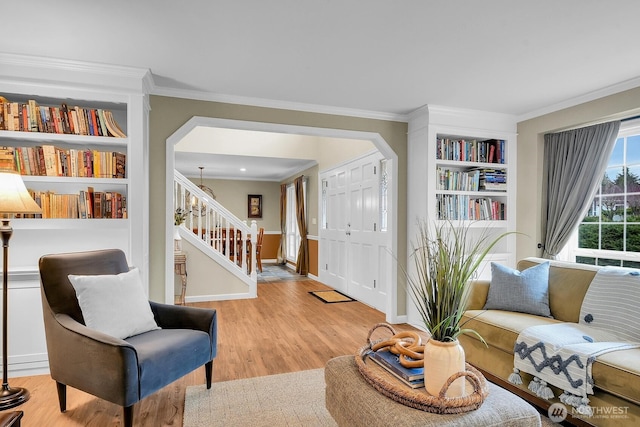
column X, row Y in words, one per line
column 11, row 397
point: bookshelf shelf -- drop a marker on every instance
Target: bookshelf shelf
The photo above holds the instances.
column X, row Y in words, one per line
column 33, row 138
column 70, row 224
column 74, row 180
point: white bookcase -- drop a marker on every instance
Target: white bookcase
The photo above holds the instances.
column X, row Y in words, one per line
column 121, row 90
column 432, row 198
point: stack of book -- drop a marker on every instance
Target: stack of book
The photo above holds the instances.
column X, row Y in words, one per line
column 412, row 377
column 493, row 180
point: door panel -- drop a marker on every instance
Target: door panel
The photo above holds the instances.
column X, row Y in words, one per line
column 352, row 237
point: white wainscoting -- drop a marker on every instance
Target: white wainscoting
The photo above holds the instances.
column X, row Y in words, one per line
column 27, row 348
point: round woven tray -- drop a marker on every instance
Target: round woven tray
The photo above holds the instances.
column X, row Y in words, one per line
column 386, row 384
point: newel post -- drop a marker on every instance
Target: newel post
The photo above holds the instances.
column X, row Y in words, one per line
column 254, row 243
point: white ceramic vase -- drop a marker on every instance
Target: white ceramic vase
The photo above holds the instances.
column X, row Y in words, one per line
column 177, row 239
column 441, row 361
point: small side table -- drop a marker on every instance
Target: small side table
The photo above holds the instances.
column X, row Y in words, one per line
column 180, row 268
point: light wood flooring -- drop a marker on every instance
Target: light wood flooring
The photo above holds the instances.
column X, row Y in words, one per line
column 285, row 329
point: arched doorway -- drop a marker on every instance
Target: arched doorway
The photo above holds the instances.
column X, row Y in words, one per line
column 375, row 138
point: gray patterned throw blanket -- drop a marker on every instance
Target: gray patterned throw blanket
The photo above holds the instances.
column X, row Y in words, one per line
column 562, row 354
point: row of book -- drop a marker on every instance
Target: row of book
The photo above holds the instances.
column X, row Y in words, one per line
column 48, row 160
column 471, row 180
column 86, row 204
column 466, row 208
column 471, row 150
column 457, row 180
column 31, row 117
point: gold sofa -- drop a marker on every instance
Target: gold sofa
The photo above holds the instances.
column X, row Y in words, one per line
column 616, row 375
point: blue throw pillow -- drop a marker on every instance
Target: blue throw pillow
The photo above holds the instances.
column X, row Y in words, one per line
column 522, row 291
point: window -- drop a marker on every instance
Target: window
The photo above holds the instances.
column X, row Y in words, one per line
column 293, row 233
column 610, row 232
column 384, row 195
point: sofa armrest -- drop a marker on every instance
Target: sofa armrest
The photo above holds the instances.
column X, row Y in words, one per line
column 478, row 294
column 180, row 317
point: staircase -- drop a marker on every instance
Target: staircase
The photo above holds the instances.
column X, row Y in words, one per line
column 217, row 232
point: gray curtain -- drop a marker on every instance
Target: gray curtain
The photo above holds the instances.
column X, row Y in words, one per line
column 574, row 164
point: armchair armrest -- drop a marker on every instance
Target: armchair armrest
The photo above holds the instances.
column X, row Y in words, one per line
column 180, row 317
column 78, row 356
column 478, row 294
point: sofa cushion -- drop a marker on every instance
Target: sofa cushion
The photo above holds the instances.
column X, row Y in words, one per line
column 612, row 302
column 522, row 291
column 164, row 355
column 618, row 373
column 501, row 328
column 114, row 304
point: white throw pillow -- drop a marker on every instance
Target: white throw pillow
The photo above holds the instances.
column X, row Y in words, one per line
column 114, row 303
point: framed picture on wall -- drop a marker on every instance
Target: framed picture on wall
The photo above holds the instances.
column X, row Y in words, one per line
column 255, row 206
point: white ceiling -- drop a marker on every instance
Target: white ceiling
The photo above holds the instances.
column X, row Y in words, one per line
column 375, row 55
column 367, row 57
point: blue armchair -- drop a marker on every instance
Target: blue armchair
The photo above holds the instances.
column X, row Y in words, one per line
column 122, row 371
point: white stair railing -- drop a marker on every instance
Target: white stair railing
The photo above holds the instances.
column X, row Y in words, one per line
column 223, row 236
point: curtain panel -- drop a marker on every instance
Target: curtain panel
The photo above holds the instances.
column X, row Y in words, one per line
column 282, row 249
column 574, row 164
column 302, row 265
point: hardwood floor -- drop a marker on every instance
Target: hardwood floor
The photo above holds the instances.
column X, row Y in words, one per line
column 285, row 329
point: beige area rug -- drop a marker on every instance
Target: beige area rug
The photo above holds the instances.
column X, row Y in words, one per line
column 292, row 399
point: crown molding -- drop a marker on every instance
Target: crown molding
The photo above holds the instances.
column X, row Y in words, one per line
column 587, row 97
column 23, row 67
column 281, row 105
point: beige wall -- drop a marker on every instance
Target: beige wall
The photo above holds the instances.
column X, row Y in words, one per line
column 530, row 156
column 335, row 152
column 206, row 277
column 169, row 114
column 232, row 194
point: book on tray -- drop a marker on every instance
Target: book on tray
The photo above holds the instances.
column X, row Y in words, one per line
column 412, row 377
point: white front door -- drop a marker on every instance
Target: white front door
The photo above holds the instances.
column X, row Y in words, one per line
column 352, row 246
column 333, row 244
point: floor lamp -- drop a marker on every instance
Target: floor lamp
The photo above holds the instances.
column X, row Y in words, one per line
column 14, row 199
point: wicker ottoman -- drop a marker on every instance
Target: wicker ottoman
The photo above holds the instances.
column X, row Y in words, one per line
column 352, row 402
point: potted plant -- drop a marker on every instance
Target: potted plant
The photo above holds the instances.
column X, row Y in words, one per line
column 446, row 257
column 179, row 217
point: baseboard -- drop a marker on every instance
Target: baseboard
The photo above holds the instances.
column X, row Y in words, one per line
column 30, row 365
column 222, row 297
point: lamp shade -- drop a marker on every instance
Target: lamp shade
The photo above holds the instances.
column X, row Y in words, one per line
column 14, row 197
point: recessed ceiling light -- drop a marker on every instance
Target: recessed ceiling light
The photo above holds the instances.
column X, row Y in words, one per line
column 243, row 169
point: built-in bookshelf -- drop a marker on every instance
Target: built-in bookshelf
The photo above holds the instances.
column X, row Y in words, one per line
column 77, row 133
column 462, row 170
column 471, row 179
column 72, row 159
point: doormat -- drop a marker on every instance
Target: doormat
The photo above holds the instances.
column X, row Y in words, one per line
column 330, row 297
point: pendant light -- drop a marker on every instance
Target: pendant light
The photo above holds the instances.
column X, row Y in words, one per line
column 208, row 191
